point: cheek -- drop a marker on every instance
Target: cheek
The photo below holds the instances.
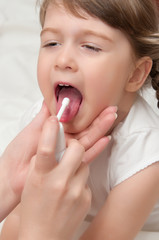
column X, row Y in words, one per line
column 42, row 82
column 100, row 88
column 106, row 90
column 42, row 74
column 43, row 66
column 45, row 84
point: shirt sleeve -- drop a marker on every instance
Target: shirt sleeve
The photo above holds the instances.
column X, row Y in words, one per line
column 131, row 154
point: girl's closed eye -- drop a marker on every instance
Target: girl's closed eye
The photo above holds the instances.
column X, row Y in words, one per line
column 51, row 44
column 92, row 48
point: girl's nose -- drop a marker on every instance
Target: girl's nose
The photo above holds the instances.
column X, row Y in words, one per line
column 66, row 60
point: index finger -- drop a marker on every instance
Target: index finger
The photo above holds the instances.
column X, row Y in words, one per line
column 100, row 126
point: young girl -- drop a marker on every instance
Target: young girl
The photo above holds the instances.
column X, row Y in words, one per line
column 101, row 53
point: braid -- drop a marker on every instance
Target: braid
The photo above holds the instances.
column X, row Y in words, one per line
column 155, row 78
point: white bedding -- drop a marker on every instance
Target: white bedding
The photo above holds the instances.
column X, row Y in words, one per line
column 19, row 44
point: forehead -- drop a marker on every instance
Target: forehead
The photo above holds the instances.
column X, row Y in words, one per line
column 65, row 8
column 58, row 17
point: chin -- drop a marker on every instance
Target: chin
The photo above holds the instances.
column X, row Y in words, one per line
column 73, row 127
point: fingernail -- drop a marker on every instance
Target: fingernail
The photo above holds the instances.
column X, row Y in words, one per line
column 53, row 119
column 109, row 137
column 116, row 115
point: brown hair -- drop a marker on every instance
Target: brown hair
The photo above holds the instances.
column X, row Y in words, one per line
column 138, row 19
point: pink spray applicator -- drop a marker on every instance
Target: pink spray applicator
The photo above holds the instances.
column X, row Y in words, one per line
column 61, row 143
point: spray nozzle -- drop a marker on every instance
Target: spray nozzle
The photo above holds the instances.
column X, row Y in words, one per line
column 61, row 144
column 65, row 103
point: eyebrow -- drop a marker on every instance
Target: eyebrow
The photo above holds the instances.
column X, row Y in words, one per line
column 97, row 34
column 85, row 33
column 53, row 30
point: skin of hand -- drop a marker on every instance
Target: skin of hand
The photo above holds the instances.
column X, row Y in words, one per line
column 93, row 138
column 56, row 197
column 15, row 161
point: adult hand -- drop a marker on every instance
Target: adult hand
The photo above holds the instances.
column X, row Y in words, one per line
column 14, row 162
column 56, row 197
column 94, row 138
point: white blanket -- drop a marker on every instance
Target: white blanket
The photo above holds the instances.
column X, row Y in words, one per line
column 19, row 44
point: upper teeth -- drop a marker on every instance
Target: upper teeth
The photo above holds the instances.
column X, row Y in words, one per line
column 63, row 85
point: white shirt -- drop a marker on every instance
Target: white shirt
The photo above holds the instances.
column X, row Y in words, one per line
column 134, row 146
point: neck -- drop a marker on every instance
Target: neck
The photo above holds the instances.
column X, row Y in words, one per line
column 123, row 109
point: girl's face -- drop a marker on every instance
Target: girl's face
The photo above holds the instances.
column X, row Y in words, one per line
column 86, row 60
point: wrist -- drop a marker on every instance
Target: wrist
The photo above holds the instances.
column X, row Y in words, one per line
column 33, row 236
column 26, row 232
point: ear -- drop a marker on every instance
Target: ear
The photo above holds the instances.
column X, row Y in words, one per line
column 139, row 74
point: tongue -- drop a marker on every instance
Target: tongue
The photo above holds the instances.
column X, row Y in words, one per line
column 75, row 100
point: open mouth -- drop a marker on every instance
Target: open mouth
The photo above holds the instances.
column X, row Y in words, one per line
column 65, row 90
